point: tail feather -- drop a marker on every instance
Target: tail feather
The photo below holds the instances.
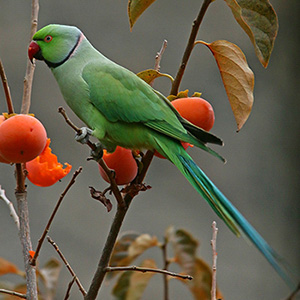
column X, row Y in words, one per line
column 224, row 208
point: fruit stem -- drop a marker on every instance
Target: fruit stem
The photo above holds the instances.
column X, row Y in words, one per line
column 189, row 47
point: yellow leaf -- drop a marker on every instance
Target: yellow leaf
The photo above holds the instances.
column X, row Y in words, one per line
column 260, row 22
column 150, row 74
column 136, row 8
column 238, row 78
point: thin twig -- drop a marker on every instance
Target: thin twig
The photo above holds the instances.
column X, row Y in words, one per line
column 189, row 47
column 114, row 187
column 46, row 230
column 166, row 265
column 213, row 243
column 12, row 293
column 30, row 67
column 9, row 103
column 159, row 55
column 11, row 208
column 140, row 269
column 81, row 288
column 69, row 288
column 293, row 295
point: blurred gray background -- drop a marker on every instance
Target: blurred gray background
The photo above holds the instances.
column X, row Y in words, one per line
column 261, row 176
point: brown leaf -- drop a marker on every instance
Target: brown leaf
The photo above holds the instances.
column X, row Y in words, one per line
column 150, row 74
column 136, row 8
column 260, row 22
column 200, row 286
column 131, row 284
column 185, row 247
column 8, row 267
column 129, row 247
column 20, row 288
column 238, row 78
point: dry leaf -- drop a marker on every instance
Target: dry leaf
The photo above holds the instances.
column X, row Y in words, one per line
column 260, row 22
column 238, row 78
column 131, row 284
column 8, row 267
column 136, row 8
column 129, row 247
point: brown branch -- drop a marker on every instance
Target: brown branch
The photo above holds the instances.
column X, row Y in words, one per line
column 293, row 295
column 46, row 230
column 106, row 253
column 30, row 67
column 166, row 266
column 67, row 296
column 81, row 288
column 189, row 47
column 139, row 269
column 12, row 293
column 9, row 103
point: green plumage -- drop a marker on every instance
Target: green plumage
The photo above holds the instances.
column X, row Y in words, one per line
column 121, row 109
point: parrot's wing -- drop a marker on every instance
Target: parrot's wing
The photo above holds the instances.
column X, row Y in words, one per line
column 122, row 96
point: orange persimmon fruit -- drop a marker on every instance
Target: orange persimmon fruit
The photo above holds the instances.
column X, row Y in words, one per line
column 2, row 159
column 22, row 138
column 45, row 170
column 122, row 163
column 196, row 110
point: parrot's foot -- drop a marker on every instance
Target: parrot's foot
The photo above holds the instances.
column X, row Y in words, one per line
column 84, row 137
column 97, row 153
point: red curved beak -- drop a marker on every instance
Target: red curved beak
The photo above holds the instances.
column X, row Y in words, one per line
column 33, row 50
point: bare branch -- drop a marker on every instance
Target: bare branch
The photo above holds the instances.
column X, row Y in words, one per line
column 213, row 243
column 81, row 288
column 30, row 67
column 139, row 269
column 11, row 208
column 293, row 295
column 69, row 288
column 189, row 47
column 9, row 102
column 46, row 230
column 12, row 293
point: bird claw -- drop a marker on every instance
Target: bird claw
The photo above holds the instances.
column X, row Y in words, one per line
column 84, row 136
column 97, row 153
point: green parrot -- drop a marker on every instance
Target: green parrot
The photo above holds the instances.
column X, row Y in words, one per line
column 121, row 109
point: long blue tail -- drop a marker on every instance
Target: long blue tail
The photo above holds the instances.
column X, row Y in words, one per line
column 224, row 208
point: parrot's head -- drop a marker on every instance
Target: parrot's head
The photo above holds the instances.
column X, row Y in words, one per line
column 54, row 44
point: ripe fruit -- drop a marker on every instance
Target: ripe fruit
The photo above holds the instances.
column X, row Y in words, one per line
column 196, row 110
column 123, row 163
column 45, row 170
column 2, row 159
column 22, row 138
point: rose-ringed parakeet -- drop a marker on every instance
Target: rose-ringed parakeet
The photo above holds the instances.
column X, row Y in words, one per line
column 121, row 109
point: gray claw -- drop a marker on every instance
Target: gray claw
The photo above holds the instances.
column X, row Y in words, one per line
column 98, row 152
column 83, row 138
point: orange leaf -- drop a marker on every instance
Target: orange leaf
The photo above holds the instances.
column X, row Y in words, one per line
column 31, row 253
column 238, row 78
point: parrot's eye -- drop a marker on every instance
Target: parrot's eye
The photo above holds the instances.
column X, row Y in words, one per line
column 48, row 38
